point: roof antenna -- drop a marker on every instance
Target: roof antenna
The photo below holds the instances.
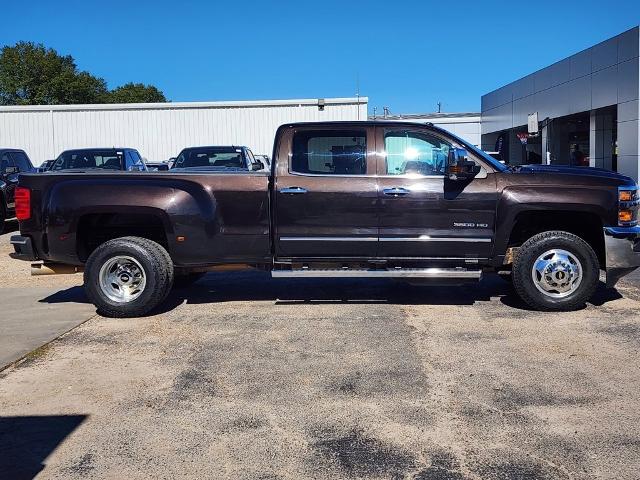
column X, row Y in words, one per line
column 358, row 92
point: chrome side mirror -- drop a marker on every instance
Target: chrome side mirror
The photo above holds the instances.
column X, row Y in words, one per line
column 459, row 167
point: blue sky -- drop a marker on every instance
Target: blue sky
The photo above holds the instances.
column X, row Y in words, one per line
column 406, row 55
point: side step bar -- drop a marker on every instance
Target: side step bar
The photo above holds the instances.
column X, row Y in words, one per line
column 392, row 273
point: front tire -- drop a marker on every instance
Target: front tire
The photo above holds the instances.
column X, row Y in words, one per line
column 128, row 277
column 555, row 270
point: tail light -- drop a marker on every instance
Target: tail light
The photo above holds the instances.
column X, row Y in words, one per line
column 23, row 203
column 628, row 205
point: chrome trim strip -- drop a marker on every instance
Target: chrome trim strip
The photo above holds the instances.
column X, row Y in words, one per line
column 427, row 238
column 421, row 238
column 329, row 239
column 397, row 273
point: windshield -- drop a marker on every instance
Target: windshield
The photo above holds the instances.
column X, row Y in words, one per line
column 500, row 167
column 84, row 159
column 226, row 157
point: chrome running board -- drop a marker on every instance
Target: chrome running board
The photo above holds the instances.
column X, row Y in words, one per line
column 390, row 273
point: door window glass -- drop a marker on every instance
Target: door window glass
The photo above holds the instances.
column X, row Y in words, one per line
column 415, row 153
column 21, row 161
column 330, row 152
column 5, row 162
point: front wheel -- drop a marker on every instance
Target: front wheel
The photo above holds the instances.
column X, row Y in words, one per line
column 128, row 277
column 555, row 271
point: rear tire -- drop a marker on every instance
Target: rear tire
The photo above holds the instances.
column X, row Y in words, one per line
column 128, row 277
column 555, row 270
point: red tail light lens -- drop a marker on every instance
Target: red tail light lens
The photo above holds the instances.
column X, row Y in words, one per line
column 23, row 203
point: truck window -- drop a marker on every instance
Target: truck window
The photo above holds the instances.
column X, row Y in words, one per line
column 330, row 152
column 21, row 161
column 415, row 153
column 133, row 161
column 5, row 162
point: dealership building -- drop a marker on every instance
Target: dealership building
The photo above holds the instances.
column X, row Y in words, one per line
column 582, row 110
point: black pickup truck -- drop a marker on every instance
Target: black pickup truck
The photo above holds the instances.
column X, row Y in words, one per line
column 343, row 199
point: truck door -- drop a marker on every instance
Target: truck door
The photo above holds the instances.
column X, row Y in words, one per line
column 325, row 192
column 424, row 214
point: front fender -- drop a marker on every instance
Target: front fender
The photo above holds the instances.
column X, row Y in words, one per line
column 515, row 200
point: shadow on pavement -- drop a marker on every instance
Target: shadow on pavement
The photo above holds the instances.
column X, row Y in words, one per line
column 259, row 286
column 70, row 295
column 25, row 442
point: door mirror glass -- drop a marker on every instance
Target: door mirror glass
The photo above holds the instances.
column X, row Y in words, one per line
column 459, row 166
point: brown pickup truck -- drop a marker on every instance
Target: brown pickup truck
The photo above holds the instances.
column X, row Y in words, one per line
column 343, row 199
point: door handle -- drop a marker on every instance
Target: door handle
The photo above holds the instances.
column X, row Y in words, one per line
column 396, row 191
column 293, row 190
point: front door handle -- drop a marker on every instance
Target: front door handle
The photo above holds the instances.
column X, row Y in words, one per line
column 293, row 190
column 396, row 191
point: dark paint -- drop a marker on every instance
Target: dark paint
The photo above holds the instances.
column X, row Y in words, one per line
column 225, row 217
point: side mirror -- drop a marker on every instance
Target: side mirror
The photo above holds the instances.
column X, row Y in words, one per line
column 11, row 170
column 258, row 165
column 459, row 167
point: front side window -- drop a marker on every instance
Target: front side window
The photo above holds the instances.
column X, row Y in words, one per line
column 134, row 161
column 330, row 152
column 21, row 161
column 415, row 153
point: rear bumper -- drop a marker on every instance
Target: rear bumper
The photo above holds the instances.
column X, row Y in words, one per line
column 622, row 247
column 23, row 248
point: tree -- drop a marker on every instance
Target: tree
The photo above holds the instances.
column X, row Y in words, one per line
column 136, row 93
column 31, row 74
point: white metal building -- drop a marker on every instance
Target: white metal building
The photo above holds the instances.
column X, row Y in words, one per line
column 160, row 130
column 465, row 125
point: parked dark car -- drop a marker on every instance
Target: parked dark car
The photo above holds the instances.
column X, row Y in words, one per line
column 46, row 166
column 217, row 158
column 12, row 162
column 158, row 166
column 345, row 199
column 83, row 159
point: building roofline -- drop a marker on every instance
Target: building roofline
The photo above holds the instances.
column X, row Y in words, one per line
column 637, row 27
column 296, row 102
column 426, row 116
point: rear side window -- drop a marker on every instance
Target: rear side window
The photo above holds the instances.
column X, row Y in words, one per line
column 21, row 161
column 330, row 152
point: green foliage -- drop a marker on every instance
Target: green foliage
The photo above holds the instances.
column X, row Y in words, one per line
column 31, row 74
column 136, row 93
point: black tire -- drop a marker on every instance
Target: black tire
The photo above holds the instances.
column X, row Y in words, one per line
column 156, row 264
column 538, row 245
column 187, row 279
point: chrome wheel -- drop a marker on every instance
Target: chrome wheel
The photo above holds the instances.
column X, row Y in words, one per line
column 557, row 273
column 122, row 279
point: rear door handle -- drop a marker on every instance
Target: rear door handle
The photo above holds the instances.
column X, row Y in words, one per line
column 293, row 190
column 396, row 191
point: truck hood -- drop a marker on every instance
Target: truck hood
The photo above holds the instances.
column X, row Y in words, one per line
column 589, row 172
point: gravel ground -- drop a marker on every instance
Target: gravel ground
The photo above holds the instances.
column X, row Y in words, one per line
column 242, row 376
